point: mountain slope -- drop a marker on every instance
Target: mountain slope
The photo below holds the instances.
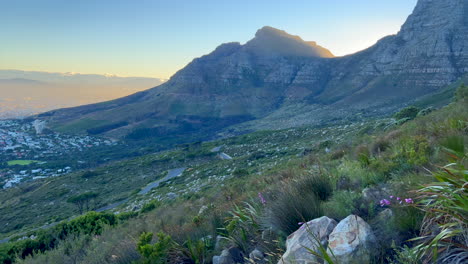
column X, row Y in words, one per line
column 278, row 80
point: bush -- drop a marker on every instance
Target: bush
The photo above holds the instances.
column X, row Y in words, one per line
column 240, row 172
column 413, row 150
column 243, row 226
column 92, row 223
column 89, row 174
column 293, row 206
column 342, row 204
column 380, row 145
column 358, row 175
column 319, row 184
column 409, row 112
column 150, row 206
column 157, row 252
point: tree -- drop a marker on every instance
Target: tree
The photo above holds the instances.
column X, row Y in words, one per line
column 82, row 200
column 409, row 112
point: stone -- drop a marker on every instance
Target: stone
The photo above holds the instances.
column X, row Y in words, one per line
column 352, row 241
column 232, row 255
column 297, row 242
column 257, row 257
column 375, row 194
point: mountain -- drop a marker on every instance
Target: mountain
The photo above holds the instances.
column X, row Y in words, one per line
column 277, row 80
column 28, row 92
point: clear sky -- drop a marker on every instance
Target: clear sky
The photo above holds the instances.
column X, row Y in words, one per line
column 155, row 38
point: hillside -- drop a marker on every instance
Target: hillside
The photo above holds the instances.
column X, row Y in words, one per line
column 277, row 80
column 356, row 166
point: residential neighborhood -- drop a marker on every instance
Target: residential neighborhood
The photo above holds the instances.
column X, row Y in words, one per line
column 25, row 148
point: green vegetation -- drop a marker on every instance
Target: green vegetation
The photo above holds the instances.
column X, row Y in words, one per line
column 409, row 112
column 275, row 180
column 82, row 201
column 21, row 162
column 91, row 223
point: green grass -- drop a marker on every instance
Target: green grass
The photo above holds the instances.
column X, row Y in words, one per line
column 21, row 162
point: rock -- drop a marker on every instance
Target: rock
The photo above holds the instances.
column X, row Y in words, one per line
column 256, row 256
column 229, row 256
column 375, row 194
column 352, row 241
column 172, row 196
column 202, row 209
column 298, row 241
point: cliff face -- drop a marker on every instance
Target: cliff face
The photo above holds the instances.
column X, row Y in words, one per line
column 279, row 80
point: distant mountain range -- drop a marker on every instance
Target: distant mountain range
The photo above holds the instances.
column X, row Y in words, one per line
column 277, row 80
column 24, row 93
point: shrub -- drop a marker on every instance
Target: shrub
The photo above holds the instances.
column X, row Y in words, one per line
column 150, row 206
column 342, row 204
column 380, row 145
column 293, row 206
column 357, row 174
column 319, row 184
column 157, row 252
column 413, row 150
column 409, row 112
column 92, row 223
column 89, row 174
column 243, row 226
column 240, row 172
column 363, row 154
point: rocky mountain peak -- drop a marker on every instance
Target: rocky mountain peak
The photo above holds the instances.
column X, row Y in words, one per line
column 270, row 41
column 435, row 16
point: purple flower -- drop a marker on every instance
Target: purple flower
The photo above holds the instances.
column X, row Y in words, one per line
column 409, row 201
column 384, row 202
column 391, row 196
column 262, row 199
column 398, row 199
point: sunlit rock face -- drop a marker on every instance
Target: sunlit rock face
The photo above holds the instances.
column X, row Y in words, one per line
column 277, row 80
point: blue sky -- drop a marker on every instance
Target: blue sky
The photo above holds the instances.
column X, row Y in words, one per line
column 156, row 38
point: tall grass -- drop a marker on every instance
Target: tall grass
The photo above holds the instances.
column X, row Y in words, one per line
column 445, row 230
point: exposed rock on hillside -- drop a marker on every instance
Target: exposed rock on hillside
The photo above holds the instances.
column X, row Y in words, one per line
column 300, row 241
column 352, row 241
column 349, row 241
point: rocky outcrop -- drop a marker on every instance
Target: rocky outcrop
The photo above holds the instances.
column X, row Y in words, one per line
column 352, row 241
column 306, row 238
column 349, row 241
